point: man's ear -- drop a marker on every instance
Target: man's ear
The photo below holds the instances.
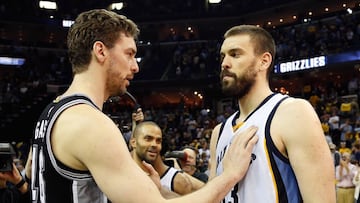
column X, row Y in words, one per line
column 266, row 60
column 99, row 50
column 132, row 142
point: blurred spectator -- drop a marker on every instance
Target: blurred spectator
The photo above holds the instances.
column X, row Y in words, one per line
column 13, row 187
column 343, row 148
column 355, row 154
column 346, row 130
column 335, row 154
column 345, row 172
column 334, row 123
column 190, row 164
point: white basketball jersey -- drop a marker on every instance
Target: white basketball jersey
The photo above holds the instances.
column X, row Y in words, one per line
column 167, row 179
column 270, row 177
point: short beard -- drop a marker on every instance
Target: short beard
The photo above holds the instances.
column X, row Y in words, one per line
column 112, row 82
column 239, row 87
column 144, row 158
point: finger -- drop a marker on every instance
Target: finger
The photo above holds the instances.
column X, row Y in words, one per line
column 251, row 143
column 243, row 138
column 149, row 168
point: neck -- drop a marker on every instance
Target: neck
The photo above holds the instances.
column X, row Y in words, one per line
column 93, row 89
column 160, row 166
column 252, row 100
column 138, row 160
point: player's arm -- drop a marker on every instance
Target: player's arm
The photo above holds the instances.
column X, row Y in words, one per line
column 213, row 142
column 101, row 148
column 28, row 165
column 195, row 183
column 168, row 194
column 303, row 139
column 182, row 184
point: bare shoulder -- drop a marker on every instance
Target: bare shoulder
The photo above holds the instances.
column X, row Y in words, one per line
column 295, row 110
column 79, row 132
column 294, row 104
column 295, row 123
column 84, row 121
column 296, row 131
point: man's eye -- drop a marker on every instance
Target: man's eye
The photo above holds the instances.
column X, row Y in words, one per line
column 236, row 55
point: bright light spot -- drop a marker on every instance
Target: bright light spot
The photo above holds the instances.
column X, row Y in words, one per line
column 214, row 1
column 48, row 5
column 117, row 6
column 67, row 23
column 349, row 11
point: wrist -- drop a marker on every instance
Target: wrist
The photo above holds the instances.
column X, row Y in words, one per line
column 233, row 177
column 27, row 179
column 20, row 183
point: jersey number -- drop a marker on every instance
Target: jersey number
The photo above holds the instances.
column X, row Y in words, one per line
column 234, row 197
column 37, row 177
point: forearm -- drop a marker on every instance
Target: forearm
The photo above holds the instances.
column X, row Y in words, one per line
column 168, row 194
column 24, row 188
column 22, row 185
column 213, row 191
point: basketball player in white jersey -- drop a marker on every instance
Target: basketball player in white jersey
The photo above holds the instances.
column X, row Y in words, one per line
column 146, row 144
column 291, row 162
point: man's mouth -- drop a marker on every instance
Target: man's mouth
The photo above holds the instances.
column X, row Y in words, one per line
column 152, row 153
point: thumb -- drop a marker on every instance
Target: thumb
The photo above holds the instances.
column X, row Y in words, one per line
column 149, row 168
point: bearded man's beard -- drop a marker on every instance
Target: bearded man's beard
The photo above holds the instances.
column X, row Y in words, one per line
column 145, row 158
column 113, row 85
column 239, row 86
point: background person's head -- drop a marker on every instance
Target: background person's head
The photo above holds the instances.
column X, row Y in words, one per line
column 146, row 141
column 332, row 147
column 189, row 165
column 346, row 157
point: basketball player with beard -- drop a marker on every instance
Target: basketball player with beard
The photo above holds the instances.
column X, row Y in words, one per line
column 291, row 162
column 146, row 144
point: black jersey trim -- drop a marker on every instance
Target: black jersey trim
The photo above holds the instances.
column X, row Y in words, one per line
column 269, row 141
column 237, row 114
column 272, row 149
column 172, row 181
column 258, row 107
column 59, row 107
